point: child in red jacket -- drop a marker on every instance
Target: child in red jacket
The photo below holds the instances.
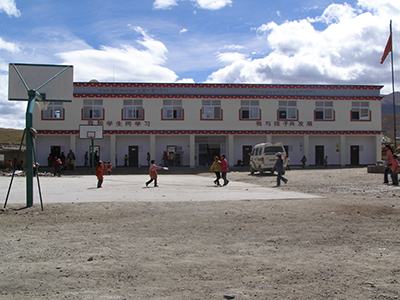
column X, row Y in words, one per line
column 99, row 174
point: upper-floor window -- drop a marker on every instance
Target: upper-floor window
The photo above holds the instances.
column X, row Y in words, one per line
column 249, row 109
column 54, row 111
column 172, row 109
column 211, row 110
column 324, row 110
column 133, row 109
column 360, row 111
column 287, row 110
column 92, row 109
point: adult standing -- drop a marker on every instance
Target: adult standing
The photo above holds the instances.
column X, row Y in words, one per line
column 86, row 159
column 224, row 169
column 148, row 159
column 280, row 169
column 303, row 161
column 71, row 159
column 165, row 158
column 326, row 162
column 389, row 161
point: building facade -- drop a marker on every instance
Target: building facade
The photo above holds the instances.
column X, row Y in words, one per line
column 193, row 122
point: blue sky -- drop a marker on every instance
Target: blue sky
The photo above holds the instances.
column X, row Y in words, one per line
column 240, row 41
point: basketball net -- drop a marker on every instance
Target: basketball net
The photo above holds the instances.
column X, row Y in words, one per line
column 42, row 105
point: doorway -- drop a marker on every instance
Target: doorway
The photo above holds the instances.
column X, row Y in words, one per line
column 133, row 156
column 354, row 155
column 246, row 155
column 319, row 155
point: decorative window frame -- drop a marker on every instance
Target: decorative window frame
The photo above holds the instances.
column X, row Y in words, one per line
column 53, row 106
column 99, row 107
column 139, row 107
column 217, row 105
column 287, row 108
column 324, row 107
column 175, row 106
column 250, row 105
column 361, row 105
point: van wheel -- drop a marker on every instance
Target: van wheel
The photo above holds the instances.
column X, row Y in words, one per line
column 251, row 170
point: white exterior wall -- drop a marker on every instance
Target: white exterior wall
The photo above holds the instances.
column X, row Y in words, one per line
column 153, row 134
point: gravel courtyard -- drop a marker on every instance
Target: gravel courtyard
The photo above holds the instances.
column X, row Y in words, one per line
column 342, row 245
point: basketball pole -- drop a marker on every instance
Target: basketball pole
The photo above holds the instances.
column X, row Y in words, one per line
column 29, row 147
column 92, row 155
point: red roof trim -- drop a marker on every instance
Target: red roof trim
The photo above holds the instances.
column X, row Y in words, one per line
column 103, row 96
column 214, row 132
column 226, row 85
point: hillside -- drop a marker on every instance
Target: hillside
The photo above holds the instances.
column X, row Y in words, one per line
column 11, row 136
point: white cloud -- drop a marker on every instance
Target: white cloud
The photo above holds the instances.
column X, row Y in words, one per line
column 9, row 7
column 183, row 30
column 164, row 4
column 10, row 47
column 125, row 63
column 347, row 51
column 234, row 47
column 230, row 57
column 185, row 80
column 213, row 4
column 203, row 4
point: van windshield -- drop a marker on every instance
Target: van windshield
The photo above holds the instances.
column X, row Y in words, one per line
column 273, row 150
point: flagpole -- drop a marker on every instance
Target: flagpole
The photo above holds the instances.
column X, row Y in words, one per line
column 394, row 95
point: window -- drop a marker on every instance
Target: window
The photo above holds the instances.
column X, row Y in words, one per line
column 324, row 110
column 249, row 109
column 54, row 111
column 92, row 109
column 360, row 111
column 287, row 110
column 172, row 109
column 211, row 110
column 133, row 109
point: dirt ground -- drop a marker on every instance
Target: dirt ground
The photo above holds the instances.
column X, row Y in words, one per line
column 345, row 245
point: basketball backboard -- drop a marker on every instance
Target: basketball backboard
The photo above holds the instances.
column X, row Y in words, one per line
column 90, row 132
column 40, row 78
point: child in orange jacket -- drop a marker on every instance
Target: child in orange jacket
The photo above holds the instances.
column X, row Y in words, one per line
column 99, row 174
column 153, row 173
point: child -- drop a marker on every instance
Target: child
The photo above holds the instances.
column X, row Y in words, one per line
column 216, row 166
column 153, row 173
column 99, row 174
column 109, row 167
column 395, row 169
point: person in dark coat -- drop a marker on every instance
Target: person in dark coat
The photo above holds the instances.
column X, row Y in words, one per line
column 280, row 169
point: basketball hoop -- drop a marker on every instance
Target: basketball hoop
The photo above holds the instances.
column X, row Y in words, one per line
column 42, row 105
column 91, row 135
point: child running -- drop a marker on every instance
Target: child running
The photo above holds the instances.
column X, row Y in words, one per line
column 153, row 173
column 216, row 166
column 99, row 174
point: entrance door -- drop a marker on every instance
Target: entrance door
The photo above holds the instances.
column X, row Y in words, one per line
column 354, row 155
column 319, row 155
column 96, row 155
column 246, row 155
column 55, row 151
column 133, row 156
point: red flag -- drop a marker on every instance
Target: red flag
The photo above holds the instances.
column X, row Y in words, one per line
column 388, row 49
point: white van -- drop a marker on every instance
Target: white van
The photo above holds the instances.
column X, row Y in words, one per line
column 263, row 158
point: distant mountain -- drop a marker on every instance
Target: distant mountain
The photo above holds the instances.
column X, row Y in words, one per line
column 387, row 115
column 387, row 104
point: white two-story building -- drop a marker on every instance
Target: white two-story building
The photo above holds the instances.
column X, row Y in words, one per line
column 197, row 121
